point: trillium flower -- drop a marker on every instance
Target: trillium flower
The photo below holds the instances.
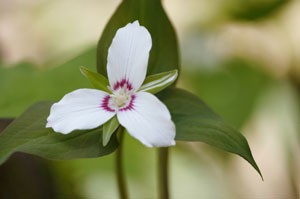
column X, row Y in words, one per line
column 143, row 115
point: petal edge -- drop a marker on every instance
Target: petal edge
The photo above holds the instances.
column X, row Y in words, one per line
column 149, row 121
column 128, row 55
column 78, row 110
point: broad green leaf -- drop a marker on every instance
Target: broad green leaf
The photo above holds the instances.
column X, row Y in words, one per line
column 97, row 80
column 195, row 121
column 24, row 84
column 28, row 134
column 150, row 13
column 108, row 129
column 242, row 82
column 158, row 82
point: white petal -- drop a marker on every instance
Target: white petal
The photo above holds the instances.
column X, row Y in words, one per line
column 149, row 121
column 128, row 55
column 78, row 110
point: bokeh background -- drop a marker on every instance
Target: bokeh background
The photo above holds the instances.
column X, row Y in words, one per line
column 241, row 57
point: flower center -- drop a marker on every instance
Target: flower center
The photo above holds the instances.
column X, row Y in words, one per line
column 121, row 98
column 122, row 94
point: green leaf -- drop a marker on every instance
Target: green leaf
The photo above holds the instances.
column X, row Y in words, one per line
column 254, row 9
column 28, row 134
column 158, row 82
column 24, row 84
column 150, row 13
column 195, row 121
column 97, row 80
column 108, row 129
column 242, row 82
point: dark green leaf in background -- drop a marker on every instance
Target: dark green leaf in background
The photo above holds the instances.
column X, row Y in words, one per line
column 195, row 121
column 232, row 89
column 164, row 53
column 28, row 134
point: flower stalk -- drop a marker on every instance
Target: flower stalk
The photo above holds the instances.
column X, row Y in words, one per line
column 122, row 186
column 163, row 156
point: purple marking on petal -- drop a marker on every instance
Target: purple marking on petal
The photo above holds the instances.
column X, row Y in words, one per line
column 105, row 104
column 130, row 106
column 122, row 84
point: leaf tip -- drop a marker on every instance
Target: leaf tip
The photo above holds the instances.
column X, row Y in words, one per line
column 83, row 70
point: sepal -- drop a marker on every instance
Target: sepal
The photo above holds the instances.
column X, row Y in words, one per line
column 108, row 129
column 158, row 82
column 97, row 80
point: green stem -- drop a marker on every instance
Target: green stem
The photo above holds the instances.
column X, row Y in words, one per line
column 163, row 154
column 119, row 167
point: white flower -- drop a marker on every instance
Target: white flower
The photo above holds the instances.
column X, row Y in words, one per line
column 143, row 115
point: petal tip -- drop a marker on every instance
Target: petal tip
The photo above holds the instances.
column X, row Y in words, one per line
column 173, row 143
column 136, row 22
column 48, row 125
column 149, row 145
column 60, row 130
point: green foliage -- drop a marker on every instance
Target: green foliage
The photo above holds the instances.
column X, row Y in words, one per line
column 164, row 52
column 195, row 121
column 232, row 89
column 28, row 134
column 158, row 82
column 254, row 9
column 96, row 79
column 23, row 85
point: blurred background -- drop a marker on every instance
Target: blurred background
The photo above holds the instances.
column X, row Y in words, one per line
column 241, row 57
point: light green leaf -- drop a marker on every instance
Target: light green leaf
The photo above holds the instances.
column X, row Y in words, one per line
column 108, row 129
column 150, row 13
column 195, row 121
column 97, row 80
column 158, row 82
column 24, row 84
column 28, row 134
